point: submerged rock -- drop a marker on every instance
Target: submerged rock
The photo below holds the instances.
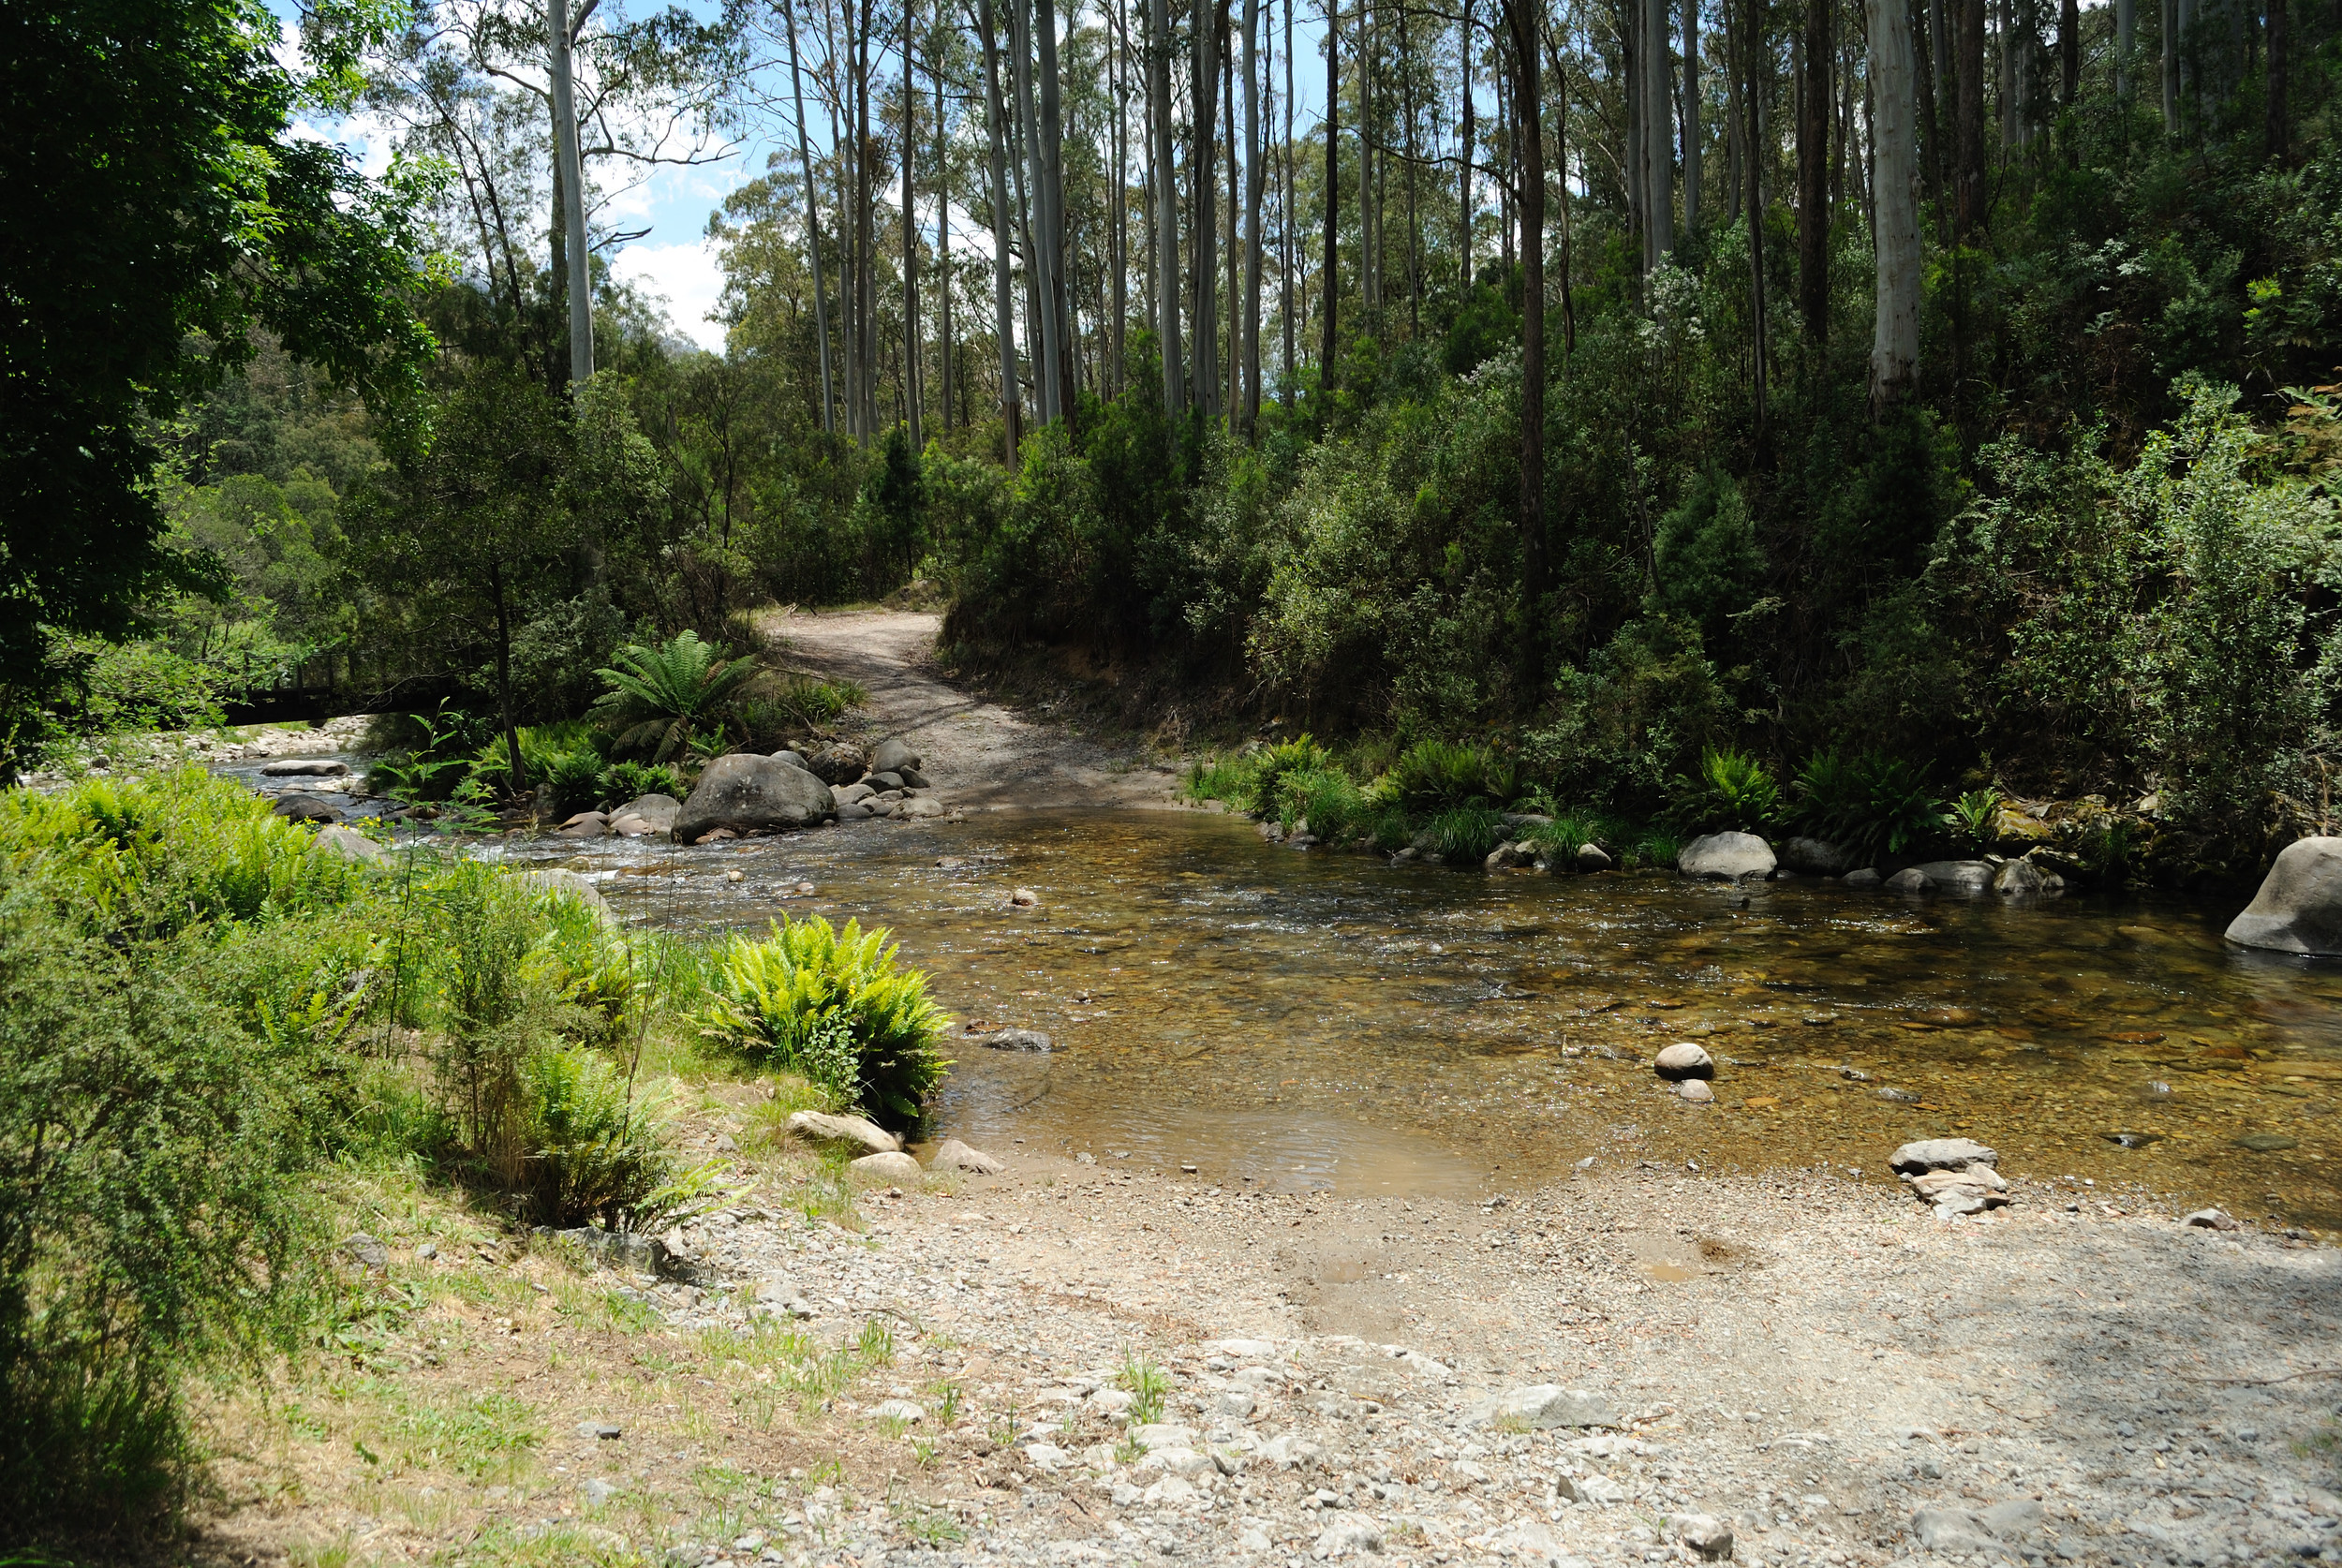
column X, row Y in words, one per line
column 1909, row 879
column 1728, row 857
column 744, row 792
column 1864, row 877
column 2299, row 907
column 1015, row 1040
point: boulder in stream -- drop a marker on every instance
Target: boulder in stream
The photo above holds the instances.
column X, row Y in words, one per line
column 893, row 754
column 1726, row 857
column 745, row 793
column 554, row 880
column 1956, row 875
column 2299, row 907
column 1683, row 1061
column 1815, row 857
column 656, row 812
column 305, row 768
column 838, row 763
column 307, row 808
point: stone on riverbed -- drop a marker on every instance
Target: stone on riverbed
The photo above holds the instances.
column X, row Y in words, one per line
column 1683, row 1061
column 1592, row 857
column 1955, row 875
column 953, row 1155
column 838, row 763
column 1909, row 879
column 348, row 843
column 587, row 824
column 305, row 769
column 1866, row 877
column 2211, row 1219
column 1695, row 1090
column 891, row 1167
column 656, row 812
column 1940, row 1154
column 822, row 1127
column 1815, row 857
column 307, row 808
column 745, row 793
column 2299, row 907
column 1728, row 857
column 917, row 807
column 1015, row 1040
column 893, row 754
column 570, row 883
column 1541, row 1407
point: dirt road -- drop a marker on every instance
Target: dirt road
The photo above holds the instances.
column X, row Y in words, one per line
column 981, row 755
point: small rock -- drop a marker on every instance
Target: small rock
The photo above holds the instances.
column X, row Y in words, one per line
column 1251, row 1539
column 953, row 1155
column 1533, row 1542
column 1024, row 898
column 366, row 1251
column 1158, row 1435
column 1593, row 857
column 893, row 754
column 793, row 760
column 1544, row 1406
column 1729, row 857
column 1683, row 1061
column 1181, row 1462
column 824, row 1127
column 1014, row 1040
column 1956, row 875
column 1909, row 879
column 2266, row 1143
column 2020, row 879
column 587, row 824
column 838, row 763
column 600, row 1431
column 656, row 812
column 1706, row 1534
column 1598, row 1490
column 1235, row 1402
column 1865, row 878
column 888, row 1166
column 1695, row 1090
column 1900, row 1096
column 1351, row 1533
column 597, row 1491
column 1940, row 1154
column 348, row 843
column 2211, row 1219
column 898, row 1410
column 427, row 1251
column 918, row 807
column 294, row 769
column 1171, row 1488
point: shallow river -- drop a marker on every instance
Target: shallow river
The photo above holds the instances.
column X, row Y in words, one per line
column 1310, row 1019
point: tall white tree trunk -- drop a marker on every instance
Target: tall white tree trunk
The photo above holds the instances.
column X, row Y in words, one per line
column 1254, row 172
column 2125, row 35
column 1895, row 198
column 1003, row 308
column 1658, row 138
column 1166, row 204
column 1691, row 116
column 813, row 226
column 573, row 192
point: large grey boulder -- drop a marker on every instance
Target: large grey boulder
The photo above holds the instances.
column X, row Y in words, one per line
column 307, row 808
column 303, row 768
column 792, row 759
column 1815, row 857
column 348, row 843
column 2299, row 907
column 746, row 792
column 1941, row 1154
column 893, row 754
column 1728, row 857
column 569, row 882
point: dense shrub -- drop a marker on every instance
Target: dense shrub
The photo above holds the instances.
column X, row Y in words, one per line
column 1432, row 775
column 831, row 1006
column 1730, row 789
column 1869, row 803
column 1464, row 833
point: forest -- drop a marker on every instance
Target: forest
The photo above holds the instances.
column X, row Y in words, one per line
column 1945, row 381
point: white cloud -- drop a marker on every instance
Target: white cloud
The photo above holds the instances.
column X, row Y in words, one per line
column 682, row 277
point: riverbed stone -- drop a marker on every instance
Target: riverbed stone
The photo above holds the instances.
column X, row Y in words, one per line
column 658, row 812
column 1815, row 857
column 304, row 768
column 1708, row 1536
column 1024, row 898
column 2211, row 1219
column 1015, row 1040
column 822, row 1127
column 1956, row 876
column 1593, row 857
column 913, row 779
column 348, row 843
column 918, row 807
column 1865, row 877
column 1695, row 1090
column 2299, row 906
column 587, row 824
column 851, row 794
column 1940, row 1154
column 889, row 1167
column 1541, row 1407
column 745, row 793
column 838, row 763
column 307, row 808
column 1910, row 880
column 1683, row 1061
column 2020, row 879
column 953, row 1155
column 793, row 760
column 893, row 754
column 554, row 880
column 1728, row 857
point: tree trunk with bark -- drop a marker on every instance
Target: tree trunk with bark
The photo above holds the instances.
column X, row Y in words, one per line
column 1333, row 186
column 1521, row 23
column 1894, row 153
column 1003, row 307
column 1812, row 173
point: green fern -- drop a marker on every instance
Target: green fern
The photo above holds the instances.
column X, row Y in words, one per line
column 659, row 697
column 831, row 1006
column 1732, row 789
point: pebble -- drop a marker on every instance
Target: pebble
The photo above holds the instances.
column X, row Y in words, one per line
column 2211, row 1219
column 1024, row 898
column 1695, row 1090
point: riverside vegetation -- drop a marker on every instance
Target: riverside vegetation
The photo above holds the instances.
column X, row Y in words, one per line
column 224, row 1038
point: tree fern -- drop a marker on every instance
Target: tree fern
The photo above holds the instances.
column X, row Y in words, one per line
column 657, row 697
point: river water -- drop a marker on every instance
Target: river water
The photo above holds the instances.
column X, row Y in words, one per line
column 1303, row 1019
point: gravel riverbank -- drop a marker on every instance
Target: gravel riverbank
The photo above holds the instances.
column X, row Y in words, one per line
column 1824, row 1368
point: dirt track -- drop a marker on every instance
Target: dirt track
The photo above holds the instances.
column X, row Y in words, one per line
column 982, row 756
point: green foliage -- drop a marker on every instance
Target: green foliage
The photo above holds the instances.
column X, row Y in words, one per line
column 832, row 1006
column 1329, row 799
column 1565, row 836
column 621, row 782
column 1628, row 721
column 1869, row 803
column 1731, row 789
column 1971, row 815
column 1432, row 775
column 1464, row 834
column 659, row 697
